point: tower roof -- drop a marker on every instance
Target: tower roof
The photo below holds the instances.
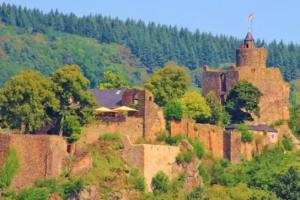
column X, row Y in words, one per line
column 249, row 37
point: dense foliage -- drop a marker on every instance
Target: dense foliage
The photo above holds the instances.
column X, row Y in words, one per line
column 218, row 114
column 195, row 106
column 242, row 101
column 46, row 52
column 61, row 103
column 27, row 102
column 246, row 135
column 173, row 110
column 268, row 172
column 112, row 80
column 168, row 83
column 76, row 102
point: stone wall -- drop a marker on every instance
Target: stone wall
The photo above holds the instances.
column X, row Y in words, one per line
column 150, row 159
column 40, row 156
column 154, row 119
column 213, row 139
column 274, row 101
column 133, row 127
column 185, row 126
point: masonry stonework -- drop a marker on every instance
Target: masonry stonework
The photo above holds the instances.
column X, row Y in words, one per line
column 149, row 159
column 40, row 156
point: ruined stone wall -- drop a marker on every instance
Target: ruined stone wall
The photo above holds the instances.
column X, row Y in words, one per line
column 40, row 156
column 158, row 158
column 184, row 126
column 154, row 120
column 211, row 81
column 132, row 127
column 274, row 101
column 213, row 139
column 133, row 96
column 149, row 159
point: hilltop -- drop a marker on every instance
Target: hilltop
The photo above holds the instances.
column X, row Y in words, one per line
column 45, row 52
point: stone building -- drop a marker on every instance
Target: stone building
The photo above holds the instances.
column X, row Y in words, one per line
column 251, row 66
column 146, row 122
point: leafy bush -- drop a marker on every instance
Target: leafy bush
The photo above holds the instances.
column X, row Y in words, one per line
column 160, row 183
column 171, row 140
column 287, row 185
column 278, row 123
column 50, row 184
column 71, row 187
column 110, row 137
column 177, row 183
column 136, row 180
column 9, row 169
column 246, row 135
column 196, row 194
column 185, row 156
column 204, row 174
column 173, row 110
column 198, row 149
column 287, row 144
column 34, row 194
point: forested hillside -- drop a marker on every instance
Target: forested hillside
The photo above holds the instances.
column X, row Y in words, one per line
column 154, row 44
column 22, row 49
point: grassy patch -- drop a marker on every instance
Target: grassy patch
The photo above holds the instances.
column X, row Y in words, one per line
column 110, row 137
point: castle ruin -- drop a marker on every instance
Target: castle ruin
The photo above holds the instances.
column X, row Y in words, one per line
column 251, row 66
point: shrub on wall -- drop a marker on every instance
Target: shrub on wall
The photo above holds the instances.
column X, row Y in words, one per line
column 198, row 149
column 9, row 169
column 136, row 180
column 288, row 146
column 173, row 110
column 204, row 174
column 246, row 135
column 110, row 137
column 160, row 183
column 185, row 156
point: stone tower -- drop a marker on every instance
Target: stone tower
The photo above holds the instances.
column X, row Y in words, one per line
column 248, row 55
column 251, row 66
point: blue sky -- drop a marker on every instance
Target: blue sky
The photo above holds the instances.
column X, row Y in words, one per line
column 273, row 19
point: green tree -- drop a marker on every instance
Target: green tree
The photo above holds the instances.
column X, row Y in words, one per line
column 287, row 185
column 170, row 82
column 294, row 121
column 112, row 80
column 27, row 102
column 75, row 99
column 173, row 110
column 218, row 114
column 195, row 106
column 242, row 101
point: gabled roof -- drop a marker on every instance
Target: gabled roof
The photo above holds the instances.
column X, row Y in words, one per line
column 259, row 127
column 110, row 98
